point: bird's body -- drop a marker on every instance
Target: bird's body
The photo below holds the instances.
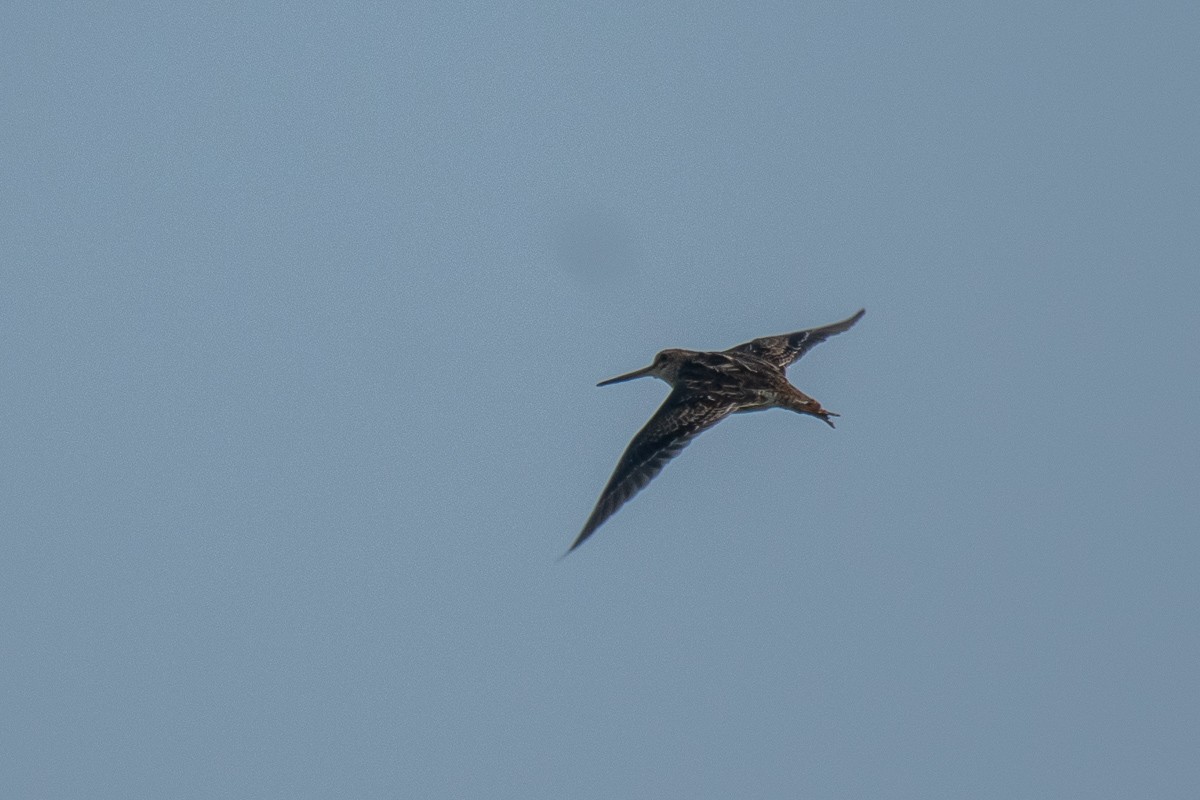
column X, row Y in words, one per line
column 706, row 388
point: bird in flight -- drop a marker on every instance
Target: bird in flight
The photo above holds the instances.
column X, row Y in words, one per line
column 706, row 387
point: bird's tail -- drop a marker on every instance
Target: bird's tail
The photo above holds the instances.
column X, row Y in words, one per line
column 801, row 403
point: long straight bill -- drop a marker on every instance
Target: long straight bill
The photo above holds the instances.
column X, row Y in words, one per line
column 637, row 373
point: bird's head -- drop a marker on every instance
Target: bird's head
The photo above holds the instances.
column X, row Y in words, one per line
column 664, row 366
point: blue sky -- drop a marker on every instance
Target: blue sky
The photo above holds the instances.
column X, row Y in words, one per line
column 303, row 310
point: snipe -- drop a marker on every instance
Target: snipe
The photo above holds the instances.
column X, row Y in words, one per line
column 706, row 388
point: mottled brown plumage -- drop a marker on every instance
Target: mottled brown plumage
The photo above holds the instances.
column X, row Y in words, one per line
column 706, row 388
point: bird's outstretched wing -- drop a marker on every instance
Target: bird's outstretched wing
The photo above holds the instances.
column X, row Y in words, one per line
column 678, row 420
column 786, row 349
